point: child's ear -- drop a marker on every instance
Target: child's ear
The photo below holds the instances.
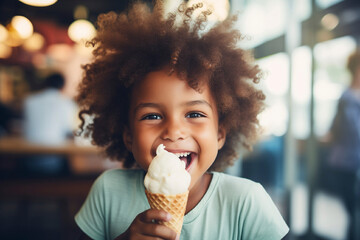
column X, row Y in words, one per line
column 221, row 137
column 127, row 138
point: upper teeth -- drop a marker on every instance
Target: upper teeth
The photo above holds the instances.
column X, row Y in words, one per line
column 185, row 154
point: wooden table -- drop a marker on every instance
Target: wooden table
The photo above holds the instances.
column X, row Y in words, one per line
column 18, row 145
column 13, row 147
column 82, row 159
column 68, row 191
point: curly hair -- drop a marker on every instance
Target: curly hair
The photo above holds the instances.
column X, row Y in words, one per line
column 132, row 44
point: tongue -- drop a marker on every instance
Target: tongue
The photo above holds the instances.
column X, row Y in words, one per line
column 184, row 159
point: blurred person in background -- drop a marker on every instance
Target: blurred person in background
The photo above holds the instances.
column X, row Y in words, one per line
column 49, row 119
column 343, row 168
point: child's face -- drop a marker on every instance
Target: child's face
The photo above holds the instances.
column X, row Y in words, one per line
column 164, row 109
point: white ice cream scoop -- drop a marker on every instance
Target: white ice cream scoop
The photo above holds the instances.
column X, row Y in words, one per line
column 166, row 174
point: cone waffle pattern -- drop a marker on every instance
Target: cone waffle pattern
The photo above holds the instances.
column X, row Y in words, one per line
column 173, row 204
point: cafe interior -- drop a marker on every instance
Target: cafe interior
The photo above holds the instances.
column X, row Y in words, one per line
column 302, row 47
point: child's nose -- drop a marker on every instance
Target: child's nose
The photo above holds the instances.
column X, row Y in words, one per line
column 174, row 130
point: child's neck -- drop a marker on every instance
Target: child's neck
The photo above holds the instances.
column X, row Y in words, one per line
column 198, row 191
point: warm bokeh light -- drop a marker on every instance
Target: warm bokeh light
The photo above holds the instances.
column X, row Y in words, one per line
column 83, row 50
column 34, row 43
column 13, row 39
column 3, row 33
column 81, row 30
column 5, row 50
column 60, row 52
column 330, row 21
column 23, row 26
column 39, row 3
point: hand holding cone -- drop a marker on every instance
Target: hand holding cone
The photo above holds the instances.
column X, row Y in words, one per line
column 173, row 204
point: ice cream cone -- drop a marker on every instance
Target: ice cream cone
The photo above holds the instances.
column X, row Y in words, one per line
column 173, row 204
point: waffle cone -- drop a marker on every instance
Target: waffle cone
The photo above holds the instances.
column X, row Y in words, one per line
column 173, row 204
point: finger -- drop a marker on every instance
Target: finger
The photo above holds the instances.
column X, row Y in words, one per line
column 143, row 237
column 152, row 215
column 159, row 231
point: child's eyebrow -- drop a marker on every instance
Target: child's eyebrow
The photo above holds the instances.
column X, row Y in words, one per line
column 198, row 102
column 188, row 104
column 144, row 105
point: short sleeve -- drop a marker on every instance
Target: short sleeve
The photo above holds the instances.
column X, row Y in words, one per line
column 90, row 218
column 263, row 220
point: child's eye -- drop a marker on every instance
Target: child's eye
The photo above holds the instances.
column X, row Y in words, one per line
column 195, row 115
column 151, row 117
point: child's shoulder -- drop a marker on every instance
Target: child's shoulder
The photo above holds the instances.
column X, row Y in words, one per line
column 234, row 181
column 238, row 186
column 120, row 176
column 122, row 172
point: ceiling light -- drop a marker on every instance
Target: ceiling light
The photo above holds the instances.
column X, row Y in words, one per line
column 39, row 3
column 13, row 39
column 81, row 30
column 34, row 43
column 3, row 33
column 330, row 21
column 5, row 50
column 22, row 26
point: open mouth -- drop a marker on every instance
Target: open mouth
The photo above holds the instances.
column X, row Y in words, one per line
column 186, row 157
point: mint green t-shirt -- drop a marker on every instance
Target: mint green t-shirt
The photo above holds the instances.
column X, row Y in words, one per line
column 232, row 208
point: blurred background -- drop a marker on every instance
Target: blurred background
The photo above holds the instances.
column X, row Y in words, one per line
column 308, row 157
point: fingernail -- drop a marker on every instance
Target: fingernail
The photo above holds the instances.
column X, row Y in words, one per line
column 177, row 237
column 168, row 216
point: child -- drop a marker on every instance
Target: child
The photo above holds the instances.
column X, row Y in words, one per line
column 156, row 80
